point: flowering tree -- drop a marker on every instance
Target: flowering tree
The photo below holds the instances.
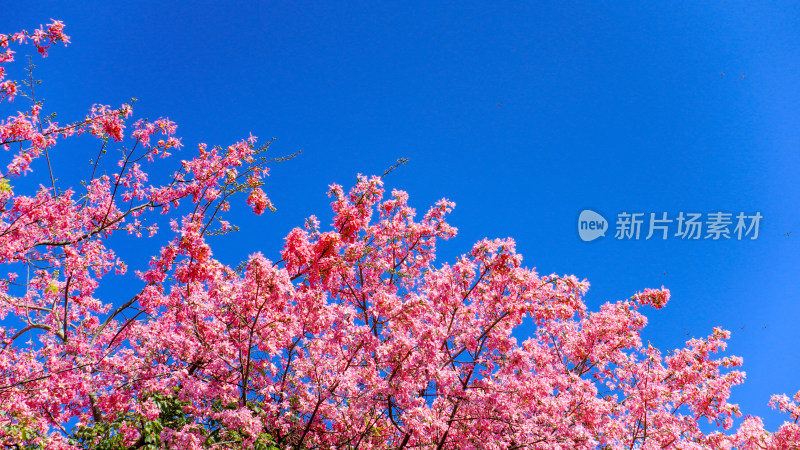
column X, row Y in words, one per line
column 354, row 338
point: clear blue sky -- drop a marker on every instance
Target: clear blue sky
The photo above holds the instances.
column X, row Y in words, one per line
column 523, row 114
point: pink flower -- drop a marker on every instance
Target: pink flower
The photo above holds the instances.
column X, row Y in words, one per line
column 656, row 298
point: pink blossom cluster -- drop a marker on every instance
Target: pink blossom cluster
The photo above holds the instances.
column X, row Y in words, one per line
column 42, row 38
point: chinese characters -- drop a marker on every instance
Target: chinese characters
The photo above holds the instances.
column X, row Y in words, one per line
column 715, row 226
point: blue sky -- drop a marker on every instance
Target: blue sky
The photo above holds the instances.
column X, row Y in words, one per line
column 523, row 113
